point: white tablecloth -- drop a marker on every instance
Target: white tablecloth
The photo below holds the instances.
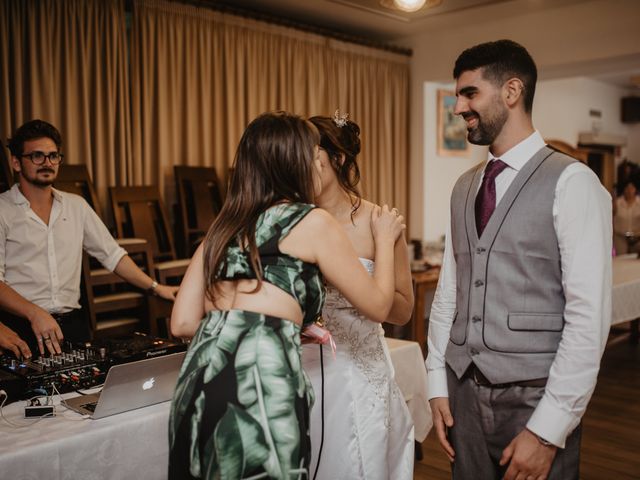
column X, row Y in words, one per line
column 625, row 297
column 411, row 377
column 133, row 445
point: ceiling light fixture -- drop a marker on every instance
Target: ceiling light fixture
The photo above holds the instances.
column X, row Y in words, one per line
column 409, row 5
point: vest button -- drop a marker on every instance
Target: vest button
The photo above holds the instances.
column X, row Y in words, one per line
column 480, row 250
column 476, row 319
column 478, row 283
column 474, row 352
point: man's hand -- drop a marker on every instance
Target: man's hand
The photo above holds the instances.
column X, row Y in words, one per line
column 167, row 292
column 527, row 457
column 9, row 340
column 442, row 419
column 47, row 331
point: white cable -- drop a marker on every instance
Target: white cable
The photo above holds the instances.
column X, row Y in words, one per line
column 63, row 403
column 18, row 425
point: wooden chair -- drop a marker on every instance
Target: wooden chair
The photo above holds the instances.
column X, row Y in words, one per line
column 199, row 202
column 139, row 212
column 108, row 296
column 6, row 175
column 112, row 306
column 76, row 179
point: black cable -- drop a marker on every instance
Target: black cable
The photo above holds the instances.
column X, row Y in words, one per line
column 321, row 412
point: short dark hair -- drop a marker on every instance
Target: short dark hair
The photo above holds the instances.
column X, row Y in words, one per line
column 500, row 61
column 32, row 130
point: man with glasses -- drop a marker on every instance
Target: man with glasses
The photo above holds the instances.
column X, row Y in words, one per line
column 42, row 234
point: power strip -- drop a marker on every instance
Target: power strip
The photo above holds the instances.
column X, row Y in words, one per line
column 39, row 411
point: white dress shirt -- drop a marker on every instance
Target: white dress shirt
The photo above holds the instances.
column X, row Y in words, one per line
column 582, row 221
column 43, row 262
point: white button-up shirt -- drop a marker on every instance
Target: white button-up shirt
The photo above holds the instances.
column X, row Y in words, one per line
column 582, row 221
column 43, row 262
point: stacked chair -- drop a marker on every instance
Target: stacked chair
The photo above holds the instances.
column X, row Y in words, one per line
column 112, row 306
column 199, row 202
column 139, row 212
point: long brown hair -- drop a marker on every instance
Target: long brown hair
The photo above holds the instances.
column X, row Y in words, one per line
column 273, row 164
column 338, row 141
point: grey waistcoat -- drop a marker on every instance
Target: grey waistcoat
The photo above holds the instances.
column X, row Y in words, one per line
column 509, row 297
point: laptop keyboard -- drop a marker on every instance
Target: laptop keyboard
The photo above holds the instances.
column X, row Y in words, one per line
column 90, row 406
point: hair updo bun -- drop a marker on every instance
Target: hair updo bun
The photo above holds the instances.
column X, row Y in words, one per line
column 338, row 142
column 351, row 138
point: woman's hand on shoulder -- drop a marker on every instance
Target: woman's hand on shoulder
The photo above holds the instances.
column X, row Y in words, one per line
column 386, row 223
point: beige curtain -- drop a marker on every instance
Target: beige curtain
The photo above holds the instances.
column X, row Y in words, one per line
column 64, row 61
column 199, row 77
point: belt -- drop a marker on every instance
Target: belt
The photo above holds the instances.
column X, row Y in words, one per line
column 478, row 377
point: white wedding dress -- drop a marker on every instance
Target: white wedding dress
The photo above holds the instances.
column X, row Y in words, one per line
column 368, row 431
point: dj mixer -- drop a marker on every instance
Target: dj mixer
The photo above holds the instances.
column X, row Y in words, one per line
column 79, row 366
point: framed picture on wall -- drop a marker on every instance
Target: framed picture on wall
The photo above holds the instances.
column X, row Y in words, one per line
column 452, row 129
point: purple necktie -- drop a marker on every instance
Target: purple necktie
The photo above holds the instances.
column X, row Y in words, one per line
column 486, row 198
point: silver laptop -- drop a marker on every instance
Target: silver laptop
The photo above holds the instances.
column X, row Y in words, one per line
column 132, row 385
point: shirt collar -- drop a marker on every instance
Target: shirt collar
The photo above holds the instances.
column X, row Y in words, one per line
column 20, row 199
column 517, row 156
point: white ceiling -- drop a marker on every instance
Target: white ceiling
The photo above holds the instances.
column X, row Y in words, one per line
column 371, row 20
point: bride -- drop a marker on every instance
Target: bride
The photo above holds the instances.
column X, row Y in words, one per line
column 360, row 425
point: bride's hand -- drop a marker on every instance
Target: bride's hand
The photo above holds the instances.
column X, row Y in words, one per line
column 386, row 222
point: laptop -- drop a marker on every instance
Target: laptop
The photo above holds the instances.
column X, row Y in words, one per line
column 131, row 385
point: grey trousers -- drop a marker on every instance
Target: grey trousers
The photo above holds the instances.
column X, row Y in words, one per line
column 487, row 419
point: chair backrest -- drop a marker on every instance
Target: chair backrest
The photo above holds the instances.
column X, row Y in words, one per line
column 107, row 298
column 199, row 202
column 139, row 212
column 76, row 179
column 6, row 175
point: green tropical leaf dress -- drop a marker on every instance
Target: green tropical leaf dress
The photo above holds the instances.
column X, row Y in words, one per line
column 241, row 405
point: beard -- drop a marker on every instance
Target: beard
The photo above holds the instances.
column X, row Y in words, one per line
column 488, row 127
column 40, row 181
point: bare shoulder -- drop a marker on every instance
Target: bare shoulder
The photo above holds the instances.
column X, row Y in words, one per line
column 363, row 215
column 313, row 226
column 367, row 206
column 314, row 230
column 317, row 220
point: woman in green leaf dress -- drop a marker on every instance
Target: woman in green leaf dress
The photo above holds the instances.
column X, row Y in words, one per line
column 240, row 409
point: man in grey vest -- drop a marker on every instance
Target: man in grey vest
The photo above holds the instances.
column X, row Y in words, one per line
column 523, row 304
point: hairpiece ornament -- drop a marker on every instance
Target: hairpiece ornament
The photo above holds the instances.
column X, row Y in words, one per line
column 340, row 120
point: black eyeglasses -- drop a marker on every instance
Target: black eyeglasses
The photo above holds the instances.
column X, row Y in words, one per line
column 38, row 157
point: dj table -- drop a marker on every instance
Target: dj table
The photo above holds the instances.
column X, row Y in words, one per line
column 134, row 444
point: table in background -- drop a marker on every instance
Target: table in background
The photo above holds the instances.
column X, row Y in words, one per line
column 411, row 377
column 423, row 281
column 625, row 297
column 135, row 444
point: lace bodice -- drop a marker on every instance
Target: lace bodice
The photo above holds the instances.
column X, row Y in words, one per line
column 343, row 324
column 355, row 333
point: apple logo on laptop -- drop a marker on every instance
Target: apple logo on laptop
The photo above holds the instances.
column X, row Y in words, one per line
column 149, row 383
